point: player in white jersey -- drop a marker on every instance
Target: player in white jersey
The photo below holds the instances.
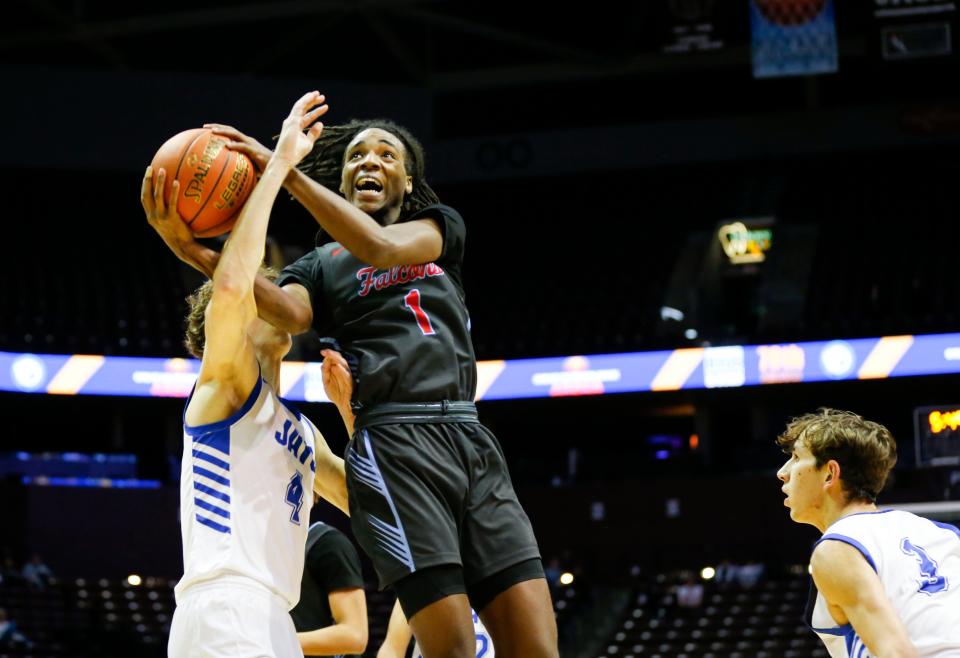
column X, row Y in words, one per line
column 250, row 462
column 398, row 637
column 887, row 582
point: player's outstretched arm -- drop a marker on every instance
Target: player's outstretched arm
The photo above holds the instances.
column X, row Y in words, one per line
column 847, row 581
column 412, row 242
column 398, row 635
column 229, row 368
column 349, row 632
column 418, row 241
column 287, row 309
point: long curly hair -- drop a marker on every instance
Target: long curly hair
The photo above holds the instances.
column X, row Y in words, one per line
column 324, row 164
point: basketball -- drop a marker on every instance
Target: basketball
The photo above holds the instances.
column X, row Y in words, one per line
column 214, row 180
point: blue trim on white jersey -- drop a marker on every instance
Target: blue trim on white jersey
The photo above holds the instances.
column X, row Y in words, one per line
column 836, row 630
column 853, row 542
column 213, row 460
column 210, row 491
column 879, row 511
column 199, row 430
column 211, row 508
column 213, row 524
column 292, row 408
column 855, row 646
column 946, row 526
column 210, row 475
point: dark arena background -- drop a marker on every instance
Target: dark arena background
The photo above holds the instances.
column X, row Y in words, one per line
column 688, row 222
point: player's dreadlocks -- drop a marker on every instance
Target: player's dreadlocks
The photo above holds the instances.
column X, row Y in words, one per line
column 325, row 163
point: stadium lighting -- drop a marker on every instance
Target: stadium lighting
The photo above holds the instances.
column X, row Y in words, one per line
column 670, row 313
column 708, row 573
column 566, row 578
column 134, row 580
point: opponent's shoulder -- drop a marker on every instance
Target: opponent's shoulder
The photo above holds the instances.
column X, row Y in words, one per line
column 214, row 406
column 446, row 216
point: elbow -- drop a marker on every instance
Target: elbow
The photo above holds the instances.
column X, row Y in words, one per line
column 231, row 287
column 355, row 641
column 301, row 321
column 379, row 251
column 360, row 640
column 290, row 315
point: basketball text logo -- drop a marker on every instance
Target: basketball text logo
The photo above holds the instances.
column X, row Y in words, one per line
column 371, row 279
column 210, row 152
column 238, row 182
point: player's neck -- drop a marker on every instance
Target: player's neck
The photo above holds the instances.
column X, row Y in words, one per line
column 270, row 370
column 856, row 507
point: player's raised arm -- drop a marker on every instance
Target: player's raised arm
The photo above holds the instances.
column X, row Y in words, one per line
column 379, row 171
column 229, row 368
column 847, row 582
column 418, row 241
column 283, row 308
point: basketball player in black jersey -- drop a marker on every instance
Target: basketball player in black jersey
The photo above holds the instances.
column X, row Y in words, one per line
column 430, row 496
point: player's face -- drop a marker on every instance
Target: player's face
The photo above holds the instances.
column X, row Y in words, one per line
column 374, row 176
column 803, row 484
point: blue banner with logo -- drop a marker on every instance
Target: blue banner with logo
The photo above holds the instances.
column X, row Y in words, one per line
column 793, row 37
column 597, row 374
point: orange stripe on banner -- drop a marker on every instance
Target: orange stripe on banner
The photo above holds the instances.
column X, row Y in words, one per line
column 884, row 357
column 291, row 372
column 76, row 372
column 675, row 372
column 487, row 373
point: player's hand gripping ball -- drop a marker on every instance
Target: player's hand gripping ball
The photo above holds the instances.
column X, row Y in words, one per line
column 214, row 180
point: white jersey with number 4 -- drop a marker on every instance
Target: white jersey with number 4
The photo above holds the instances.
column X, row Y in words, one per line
column 245, row 495
column 918, row 562
column 484, row 643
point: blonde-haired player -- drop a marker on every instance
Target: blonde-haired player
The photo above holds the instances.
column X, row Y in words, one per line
column 887, row 582
column 250, row 462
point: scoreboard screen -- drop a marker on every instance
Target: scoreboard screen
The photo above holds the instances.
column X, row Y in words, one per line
column 937, row 435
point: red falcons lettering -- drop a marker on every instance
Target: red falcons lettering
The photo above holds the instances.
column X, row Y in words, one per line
column 371, row 279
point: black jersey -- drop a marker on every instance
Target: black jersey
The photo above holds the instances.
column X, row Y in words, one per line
column 404, row 329
column 331, row 563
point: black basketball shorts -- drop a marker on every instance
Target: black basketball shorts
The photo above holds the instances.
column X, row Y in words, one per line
column 429, row 486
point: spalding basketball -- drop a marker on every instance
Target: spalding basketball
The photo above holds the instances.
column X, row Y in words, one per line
column 214, row 180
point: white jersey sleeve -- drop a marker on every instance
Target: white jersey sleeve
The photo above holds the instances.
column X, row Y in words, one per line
column 246, row 487
column 918, row 563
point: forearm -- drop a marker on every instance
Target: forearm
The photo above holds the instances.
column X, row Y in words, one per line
column 330, row 482
column 273, row 304
column 398, row 635
column 201, row 258
column 889, row 642
column 333, row 640
column 880, row 628
column 346, row 413
column 243, row 253
column 354, row 229
column 279, row 308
